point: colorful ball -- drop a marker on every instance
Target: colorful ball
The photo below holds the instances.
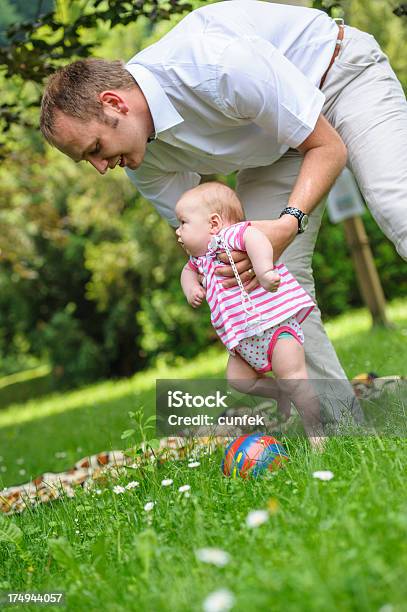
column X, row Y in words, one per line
column 253, row 454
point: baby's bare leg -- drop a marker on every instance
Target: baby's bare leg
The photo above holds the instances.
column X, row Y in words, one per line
column 242, row 377
column 289, row 368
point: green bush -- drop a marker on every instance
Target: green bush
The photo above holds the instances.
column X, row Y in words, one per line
column 335, row 278
column 75, row 357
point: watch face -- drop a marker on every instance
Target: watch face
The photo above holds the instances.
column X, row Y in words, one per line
column 304, row 223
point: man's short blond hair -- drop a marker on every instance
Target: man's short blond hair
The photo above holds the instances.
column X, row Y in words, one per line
column 74, row 90
column 218, row 198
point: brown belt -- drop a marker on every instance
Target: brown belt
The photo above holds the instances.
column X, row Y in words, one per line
column 335, row 53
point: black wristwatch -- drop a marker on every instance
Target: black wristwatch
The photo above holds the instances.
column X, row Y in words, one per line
column 301, row 217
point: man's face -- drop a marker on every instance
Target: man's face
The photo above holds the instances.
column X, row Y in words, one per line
column 121, row 140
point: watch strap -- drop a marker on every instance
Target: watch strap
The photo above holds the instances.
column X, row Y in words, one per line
column 295, row 212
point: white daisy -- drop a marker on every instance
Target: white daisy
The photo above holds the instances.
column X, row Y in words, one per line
column 216, row 556
column 193, row 464
column 219, row 601
column 149, row 506
column 132, row 485
column 255, row 518
column 118, row 490
column 386, row 608
column 323, row 475
column 184, row 488
column 167, row 482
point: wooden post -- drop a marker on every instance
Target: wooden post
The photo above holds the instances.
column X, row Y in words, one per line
column 366, row 273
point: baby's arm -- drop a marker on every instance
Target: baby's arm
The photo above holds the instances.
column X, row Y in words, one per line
column 260, row 253
column 194, row 292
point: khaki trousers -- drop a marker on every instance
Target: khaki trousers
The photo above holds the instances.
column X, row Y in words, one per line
column 366, row 104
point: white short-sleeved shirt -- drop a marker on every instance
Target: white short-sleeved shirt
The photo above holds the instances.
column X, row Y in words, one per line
column 234, row 85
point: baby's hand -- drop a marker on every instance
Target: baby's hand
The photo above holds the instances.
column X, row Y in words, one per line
column 270, row 281
column 196, row 295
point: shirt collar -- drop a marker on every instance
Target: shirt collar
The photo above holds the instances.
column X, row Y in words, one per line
column 164, row 115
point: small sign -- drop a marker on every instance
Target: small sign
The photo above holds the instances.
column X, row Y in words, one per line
column 344, row 199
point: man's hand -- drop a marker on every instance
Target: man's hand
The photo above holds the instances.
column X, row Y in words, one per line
column 244, row 267
column 195, row 296
column 280, row 232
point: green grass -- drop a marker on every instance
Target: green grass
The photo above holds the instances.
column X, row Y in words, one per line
column 22, row 386
column 337, row 545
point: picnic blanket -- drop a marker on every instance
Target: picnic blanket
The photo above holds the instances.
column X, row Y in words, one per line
column 370, row 386
column 96, row 470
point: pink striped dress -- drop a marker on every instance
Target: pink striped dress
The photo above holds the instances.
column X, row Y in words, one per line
column 228, row 315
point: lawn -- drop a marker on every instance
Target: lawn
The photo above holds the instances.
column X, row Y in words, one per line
column 326, row 545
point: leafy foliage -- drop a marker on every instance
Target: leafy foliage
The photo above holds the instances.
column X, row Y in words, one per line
column 335, row 277
column 89, row 280
column 64, row 555
column 333, row 7
column 89, row 274
column 11, row 534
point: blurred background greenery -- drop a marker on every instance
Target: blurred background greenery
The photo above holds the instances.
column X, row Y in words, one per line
column 89, row 273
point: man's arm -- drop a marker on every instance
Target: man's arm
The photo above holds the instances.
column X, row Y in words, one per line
column 324, row 158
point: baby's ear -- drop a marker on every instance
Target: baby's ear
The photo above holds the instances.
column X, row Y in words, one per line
column 216, row 223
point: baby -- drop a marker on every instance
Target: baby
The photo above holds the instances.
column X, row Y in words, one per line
column 261, row 330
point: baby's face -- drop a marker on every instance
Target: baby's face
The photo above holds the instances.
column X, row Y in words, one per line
column 194, row 229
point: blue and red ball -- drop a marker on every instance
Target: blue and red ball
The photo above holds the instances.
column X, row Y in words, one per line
column 252, row 455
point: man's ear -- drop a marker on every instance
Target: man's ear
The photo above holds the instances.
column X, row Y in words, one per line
column 215, row 222
column 113, row 100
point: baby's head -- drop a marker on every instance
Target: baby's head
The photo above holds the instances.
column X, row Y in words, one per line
column 202, row 212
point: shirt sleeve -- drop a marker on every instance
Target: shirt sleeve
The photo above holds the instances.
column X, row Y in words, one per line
column 256, row 82
column 163, row 189
column 234, row 236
